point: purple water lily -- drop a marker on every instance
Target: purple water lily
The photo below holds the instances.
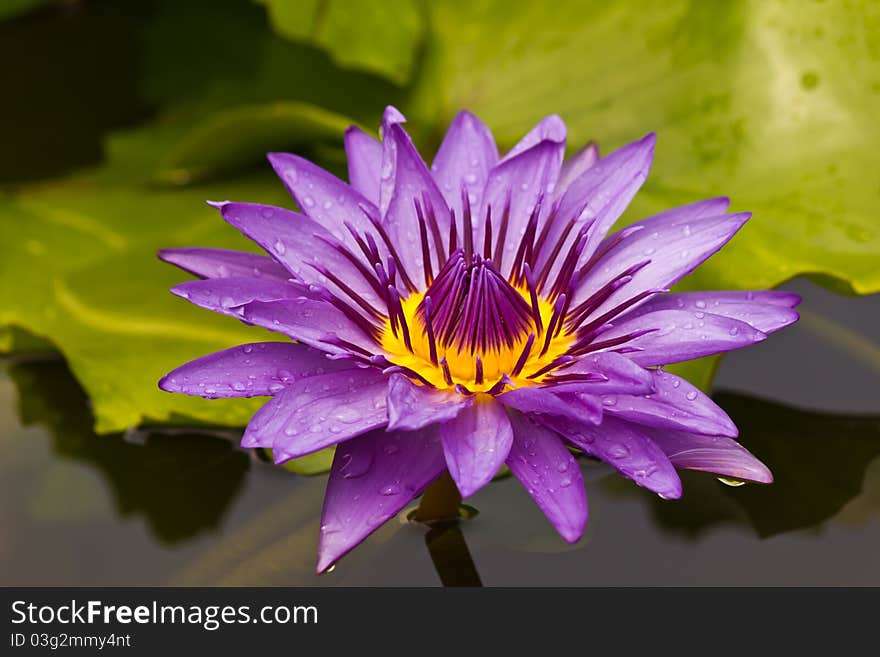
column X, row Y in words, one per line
column 475, row 314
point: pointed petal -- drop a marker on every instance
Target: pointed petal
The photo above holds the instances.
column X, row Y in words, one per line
column 476, row 443
column 598, row 198
column 550, row 474
column 625, row 447
column 301, row 245
column 574, row 167
column 675, row 404
column 323, row 197
column 310, row 321
column 678, row 335
column 412, row 181
column 319, row 411
column 464, row 160
column 373, row 477
column 766, row 310
column 520, row 180
column 550, row 128
column 622, row 376
column 716, row 454
column 391, row 117
column 248, row 370
column 223, row 263
column 412, row 406
column 228, row 295
column 364, row 156
column 546, row 401
column 674, row 249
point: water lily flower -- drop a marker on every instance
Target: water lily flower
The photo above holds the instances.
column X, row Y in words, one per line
column 475, row 314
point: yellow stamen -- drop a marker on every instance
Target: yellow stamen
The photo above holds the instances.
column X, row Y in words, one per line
column 462, row 363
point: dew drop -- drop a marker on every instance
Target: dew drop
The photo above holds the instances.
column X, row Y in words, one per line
column 280, row 249
column 348, row 415
column 729, row 481
column 391, row 489
column 691, row 396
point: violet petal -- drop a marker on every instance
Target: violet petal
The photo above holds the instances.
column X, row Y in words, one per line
column 223, row 263
column 319, row 411
column 678, row 335
column 674, row 404
column 373, row 477
column 716, row 454
column 550, row 474
column 249, row 370
column 625, row 447
column 412, row 406
column 364, row 156
column 476, row 442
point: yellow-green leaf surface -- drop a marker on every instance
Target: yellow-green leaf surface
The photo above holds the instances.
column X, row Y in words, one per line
column 771, row 102
column 372, row 35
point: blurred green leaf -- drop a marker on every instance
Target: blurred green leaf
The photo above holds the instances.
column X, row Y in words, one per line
column 237, row 138
column 370, row 35
column 771, row 102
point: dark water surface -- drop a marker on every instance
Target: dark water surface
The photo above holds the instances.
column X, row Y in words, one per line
column 190, row 509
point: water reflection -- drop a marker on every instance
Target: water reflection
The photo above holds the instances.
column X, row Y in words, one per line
column 181, row 482
column 819, row 463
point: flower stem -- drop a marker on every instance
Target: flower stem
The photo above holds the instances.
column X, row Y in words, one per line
column 451, row 557
column 440, row 501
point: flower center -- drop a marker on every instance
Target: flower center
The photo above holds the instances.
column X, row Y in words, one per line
column 475, row 330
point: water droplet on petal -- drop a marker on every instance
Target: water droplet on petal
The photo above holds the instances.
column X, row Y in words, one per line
column 348, row 415
column 691, row 396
